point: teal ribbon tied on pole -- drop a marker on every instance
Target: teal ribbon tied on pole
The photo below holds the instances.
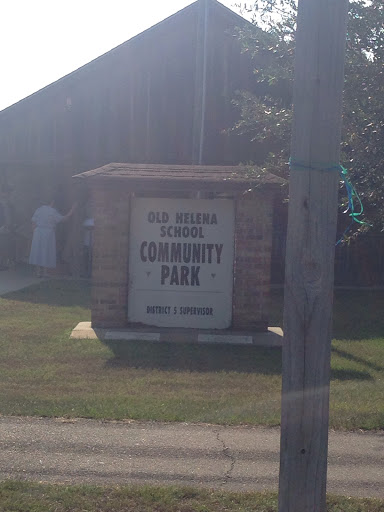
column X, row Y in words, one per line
column 353, row 196
column 351, row 191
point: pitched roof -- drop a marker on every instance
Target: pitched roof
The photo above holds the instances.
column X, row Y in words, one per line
column 123, row 46
column 224, row 178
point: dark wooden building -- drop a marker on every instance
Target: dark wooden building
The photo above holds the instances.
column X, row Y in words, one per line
column 164, row 96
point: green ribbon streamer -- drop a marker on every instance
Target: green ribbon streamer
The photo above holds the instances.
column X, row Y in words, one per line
column 351, row 191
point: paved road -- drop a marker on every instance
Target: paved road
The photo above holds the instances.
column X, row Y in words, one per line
column 238, row 458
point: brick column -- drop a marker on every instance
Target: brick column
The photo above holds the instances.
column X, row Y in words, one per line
column 253, row 245
column 110, row 255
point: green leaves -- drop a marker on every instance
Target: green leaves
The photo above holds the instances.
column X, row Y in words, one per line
column 266, row 110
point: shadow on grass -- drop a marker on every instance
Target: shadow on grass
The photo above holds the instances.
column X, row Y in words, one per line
column 341, row 374
column 55, row 292
column 207, row 358
column 356, row 359
column 196, row 358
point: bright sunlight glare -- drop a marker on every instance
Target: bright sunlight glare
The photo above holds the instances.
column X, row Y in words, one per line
column 43, row 40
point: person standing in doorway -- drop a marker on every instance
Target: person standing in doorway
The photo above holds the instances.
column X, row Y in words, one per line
column 43, row 248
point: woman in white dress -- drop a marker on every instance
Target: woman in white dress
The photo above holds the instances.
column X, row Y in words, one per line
column 43, row 249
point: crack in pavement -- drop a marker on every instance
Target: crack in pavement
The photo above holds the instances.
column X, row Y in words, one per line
column 229, row 455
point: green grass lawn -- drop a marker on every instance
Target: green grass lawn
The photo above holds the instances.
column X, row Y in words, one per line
column 43, row 372
column 27, row 497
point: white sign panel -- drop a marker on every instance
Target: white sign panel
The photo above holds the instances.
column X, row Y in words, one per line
column 181, row 262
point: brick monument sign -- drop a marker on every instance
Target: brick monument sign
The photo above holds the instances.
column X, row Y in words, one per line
column 181, row 248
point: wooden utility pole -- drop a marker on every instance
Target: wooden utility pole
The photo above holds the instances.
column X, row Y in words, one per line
column 319, row 73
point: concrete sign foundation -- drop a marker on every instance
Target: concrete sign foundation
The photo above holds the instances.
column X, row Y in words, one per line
column 181, row 262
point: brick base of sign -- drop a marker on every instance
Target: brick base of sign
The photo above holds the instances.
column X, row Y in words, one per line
column 253, row 246
column 110, row 256
column 110, row 270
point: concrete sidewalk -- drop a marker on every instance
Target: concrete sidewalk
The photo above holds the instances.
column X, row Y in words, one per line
column 228, row 458
column 22, row 276
column 16, row 279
